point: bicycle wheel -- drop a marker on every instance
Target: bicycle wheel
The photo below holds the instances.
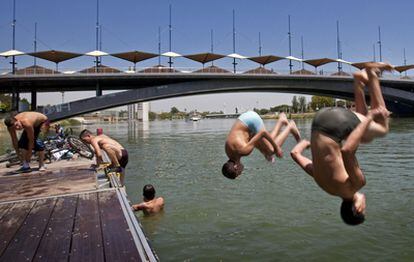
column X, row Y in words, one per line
column 80, row 147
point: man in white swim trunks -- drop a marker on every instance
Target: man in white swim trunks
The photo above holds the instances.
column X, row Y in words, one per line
column 247, row 133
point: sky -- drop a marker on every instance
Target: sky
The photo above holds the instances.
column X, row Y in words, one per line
column 133, row 25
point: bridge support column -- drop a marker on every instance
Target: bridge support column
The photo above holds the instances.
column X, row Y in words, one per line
column 15, row 101
column 143, row 111
column 33, row 101
column 98, row 90
column 131, row 112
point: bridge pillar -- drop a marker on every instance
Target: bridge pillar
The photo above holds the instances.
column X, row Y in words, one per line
column 131, row 112
column 33, row 101
column 98, row 90
column 143, row 111
column 15, row 101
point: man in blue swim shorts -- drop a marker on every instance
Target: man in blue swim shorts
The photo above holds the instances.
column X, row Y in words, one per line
column 249, row 132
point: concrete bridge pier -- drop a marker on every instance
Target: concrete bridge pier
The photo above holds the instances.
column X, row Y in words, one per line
column 143, row 111
column 33, row 101
column 98, row 89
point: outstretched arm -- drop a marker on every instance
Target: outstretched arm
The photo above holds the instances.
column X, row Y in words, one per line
column 138, row 207
column 304, row 162
column 98, row 152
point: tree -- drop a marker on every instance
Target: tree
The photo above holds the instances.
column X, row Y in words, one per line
column 174, row 110
column 302, row 103
column 5, row 102
column 263, row 111
column 318, row 102
column 295, row 104
column 152, row 116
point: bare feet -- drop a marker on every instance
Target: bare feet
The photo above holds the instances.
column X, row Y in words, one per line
column 294, row 130
column 379, row 66
column 283, row 118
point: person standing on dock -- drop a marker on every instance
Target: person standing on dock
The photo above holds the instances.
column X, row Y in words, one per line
column 151, row 205
column 247, row 133
column 334, row 166
column 31, row 123
column 115, row 151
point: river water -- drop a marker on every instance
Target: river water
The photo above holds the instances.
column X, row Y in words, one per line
column 272, row 212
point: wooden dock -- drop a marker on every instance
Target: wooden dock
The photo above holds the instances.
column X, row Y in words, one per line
column 67, row 214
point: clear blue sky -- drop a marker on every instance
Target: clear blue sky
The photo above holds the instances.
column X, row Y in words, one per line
column 129, row 25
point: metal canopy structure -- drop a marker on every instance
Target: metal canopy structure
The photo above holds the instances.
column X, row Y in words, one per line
column 11, row 53
column 404, row 68
column 134, row 56
column 204, row 57
column 303, row 72
column 212, row 69
column 36, row 70
column 361, row 65
column 159, row 69
column 55, row 55
column 259, row 70
column 100, row 69
column 266, row 59
column 319, row 62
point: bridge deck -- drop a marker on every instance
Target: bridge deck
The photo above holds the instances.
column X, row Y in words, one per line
column 62, row 215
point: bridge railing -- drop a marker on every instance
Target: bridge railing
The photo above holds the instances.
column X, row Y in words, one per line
column 30, row 71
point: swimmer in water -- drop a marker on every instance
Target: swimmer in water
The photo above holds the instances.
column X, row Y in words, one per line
column 336, row 135
column 247, row 133
column 151, row 204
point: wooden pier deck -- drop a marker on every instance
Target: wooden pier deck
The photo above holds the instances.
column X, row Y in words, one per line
column 63, row 215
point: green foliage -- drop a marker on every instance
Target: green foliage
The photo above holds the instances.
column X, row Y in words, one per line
column 263, row 111
column 302, row 103
column 5, row 102
column 318, row 102
column 174, row 110
column 295, row 104
column 280, row 108
column 152, row 116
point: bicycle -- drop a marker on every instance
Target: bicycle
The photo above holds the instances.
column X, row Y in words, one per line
column 64, row 148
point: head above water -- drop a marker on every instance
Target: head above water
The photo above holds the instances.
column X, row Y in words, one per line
column 148, row 192
column 86, row 135
column 349, row 214
column 232, row 169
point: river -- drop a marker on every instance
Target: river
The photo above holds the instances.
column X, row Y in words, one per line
column 272, row 212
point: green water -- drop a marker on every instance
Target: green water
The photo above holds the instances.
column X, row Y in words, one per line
column 273, row 212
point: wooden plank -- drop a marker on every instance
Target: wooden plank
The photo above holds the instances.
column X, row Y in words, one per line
column 87, row 236
column 118, row 241
column 26, row 240
column 11, row 222
column 50, row 183
column 55, row 244
column 3, row 209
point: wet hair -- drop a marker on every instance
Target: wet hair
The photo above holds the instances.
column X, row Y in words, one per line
column 84, row 132
column 348, row 214
column 148, row 192
column 9, row 121
column 229, row 171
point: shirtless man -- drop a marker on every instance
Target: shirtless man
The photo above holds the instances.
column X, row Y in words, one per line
column 151, row 205
column 335, row 167
column 31, row 124
column 247, row 133
column 115, row 151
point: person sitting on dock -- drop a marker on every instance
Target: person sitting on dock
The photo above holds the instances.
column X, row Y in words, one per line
column 151, row 205
column 31, row 123
column 335, row 167
column 115, row 151
column 247, row 133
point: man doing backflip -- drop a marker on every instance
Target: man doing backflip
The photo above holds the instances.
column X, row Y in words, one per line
column 336, row 135
column 247, row 133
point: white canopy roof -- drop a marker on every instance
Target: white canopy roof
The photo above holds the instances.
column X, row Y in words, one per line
column 171, row 54
column 294, row 58
column 234, row 55
column 11, row 53
column 96, row 53
column 343, row 61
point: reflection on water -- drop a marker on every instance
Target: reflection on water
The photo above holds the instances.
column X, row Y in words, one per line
column 273, row 211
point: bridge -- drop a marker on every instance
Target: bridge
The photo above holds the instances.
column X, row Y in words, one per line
column 140, row 87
